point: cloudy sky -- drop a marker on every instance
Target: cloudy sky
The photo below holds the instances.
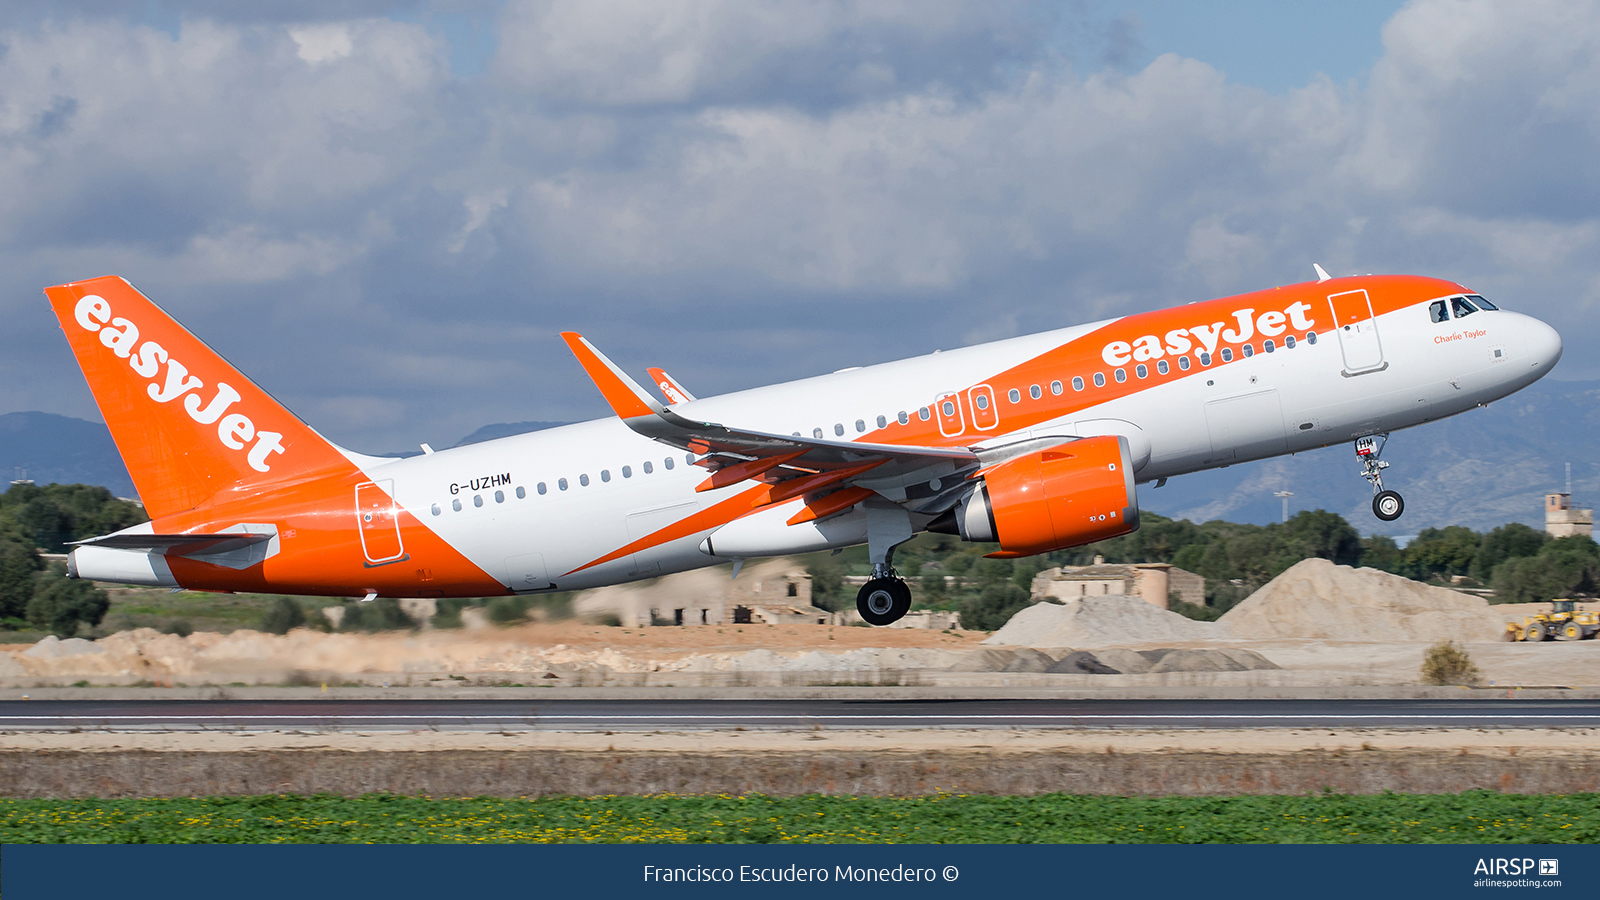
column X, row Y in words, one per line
column 384, row 212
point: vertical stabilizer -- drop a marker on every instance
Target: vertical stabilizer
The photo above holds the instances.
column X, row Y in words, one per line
column 188, row 424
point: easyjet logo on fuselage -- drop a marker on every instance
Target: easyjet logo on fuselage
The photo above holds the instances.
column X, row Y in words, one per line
column 234, row 430
column 1179, row 341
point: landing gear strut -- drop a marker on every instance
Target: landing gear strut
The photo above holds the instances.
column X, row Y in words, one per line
column 886, row 598
column 1386, row 505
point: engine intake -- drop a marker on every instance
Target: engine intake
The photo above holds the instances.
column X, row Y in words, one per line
column 1072, row 494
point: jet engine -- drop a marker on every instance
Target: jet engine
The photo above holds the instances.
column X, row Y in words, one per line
column 1072, row 494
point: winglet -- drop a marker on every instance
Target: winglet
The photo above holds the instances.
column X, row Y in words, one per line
column 1322, row 274
column 670, row 389
column 628, row 400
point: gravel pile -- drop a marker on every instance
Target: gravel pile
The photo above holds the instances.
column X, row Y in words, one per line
column 1319, row 600
column 1106, row 621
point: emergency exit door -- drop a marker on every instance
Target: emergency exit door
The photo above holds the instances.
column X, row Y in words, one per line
column 378, row 522
column 1358, row 332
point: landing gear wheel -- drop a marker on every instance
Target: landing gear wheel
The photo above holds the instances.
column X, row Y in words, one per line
column 1388, row 506
column 883, row 601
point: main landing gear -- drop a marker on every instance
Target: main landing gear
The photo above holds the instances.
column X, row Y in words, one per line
column 1386, row 505
column 886, row 598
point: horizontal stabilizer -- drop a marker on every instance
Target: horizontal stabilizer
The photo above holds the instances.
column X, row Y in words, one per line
column 177, row 544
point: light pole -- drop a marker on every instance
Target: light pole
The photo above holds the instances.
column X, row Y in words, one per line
column 1285, row 495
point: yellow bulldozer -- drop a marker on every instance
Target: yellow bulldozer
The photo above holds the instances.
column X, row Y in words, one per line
column 1563, row 621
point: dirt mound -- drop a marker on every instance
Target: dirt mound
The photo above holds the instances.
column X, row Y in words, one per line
column 1081, row 662
column 1319, row 600
column 1101, row 622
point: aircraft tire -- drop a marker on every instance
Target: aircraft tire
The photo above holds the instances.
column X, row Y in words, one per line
column 883, row 601
column 1388, row 506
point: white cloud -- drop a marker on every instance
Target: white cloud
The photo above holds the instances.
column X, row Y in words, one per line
column 844, row 181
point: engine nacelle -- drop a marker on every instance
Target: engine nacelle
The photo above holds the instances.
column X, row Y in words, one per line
column 1076, row 493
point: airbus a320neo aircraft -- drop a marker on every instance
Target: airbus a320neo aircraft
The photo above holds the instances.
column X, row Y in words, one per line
column 1034, row 443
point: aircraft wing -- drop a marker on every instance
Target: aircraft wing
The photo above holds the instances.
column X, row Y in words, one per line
column 670, row 389
column 737, row 454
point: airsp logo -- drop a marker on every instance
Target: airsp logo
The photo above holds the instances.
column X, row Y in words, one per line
column 1549, row 867
column 234, row 430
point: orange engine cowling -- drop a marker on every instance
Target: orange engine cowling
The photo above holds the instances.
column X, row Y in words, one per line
column 1075, row 493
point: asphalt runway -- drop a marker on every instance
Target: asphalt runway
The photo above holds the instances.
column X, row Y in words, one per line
column 711, row 715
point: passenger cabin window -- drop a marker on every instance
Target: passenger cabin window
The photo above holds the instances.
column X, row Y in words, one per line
column 1034, row 392
column 1077, row 382
column 522, row 492
column 1268, row 345
column 816, row 433
column 455, row 505
column 1461, row 307
column 1122, row 375
column 949, row 408
column 648, row 468
column 1055, row 387
column 1014, row 395
column 1141, row 370
column 477, row 499
column 1249, row 350
column 605, row 474
column 1227, row 354
column 436, row 510
column 1183, row 362
column 499, row 496
column 541, row 489
column 584, row 480
column 902, row 418
column 1289, row 342
column 1479, row 301
column 1436, row 312
column 883, row 422
column 924, row 414
column 981, row 401
column 861, row 426
column 1099, row 379
column 838, row 429
column 1205, row 358
column 1161, row 366
column 561, row 483
column 627, row 471
column 668, row 461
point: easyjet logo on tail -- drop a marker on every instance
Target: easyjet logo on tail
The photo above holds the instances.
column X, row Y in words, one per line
column 1179, row 341
column 234, row 430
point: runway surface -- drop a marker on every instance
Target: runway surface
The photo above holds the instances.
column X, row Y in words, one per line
column 679, row 715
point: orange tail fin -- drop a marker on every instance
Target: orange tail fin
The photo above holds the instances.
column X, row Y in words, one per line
column 188, row 424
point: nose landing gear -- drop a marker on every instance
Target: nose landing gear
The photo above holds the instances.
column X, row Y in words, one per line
column 1386, row 505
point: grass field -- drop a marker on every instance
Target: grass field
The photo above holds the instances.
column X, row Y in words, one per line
column 1473, row 817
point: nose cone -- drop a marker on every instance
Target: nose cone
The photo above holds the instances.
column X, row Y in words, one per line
column 1543, row 345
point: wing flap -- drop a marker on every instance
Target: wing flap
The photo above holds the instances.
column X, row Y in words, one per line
column 177, row 544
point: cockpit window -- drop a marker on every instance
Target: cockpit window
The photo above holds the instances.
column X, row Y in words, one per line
column 1461, row 307
column 1437, row 312
column 1480, row 302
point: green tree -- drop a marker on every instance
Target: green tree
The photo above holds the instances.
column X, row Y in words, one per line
column 827, row 588
column 53, row 515
column 993, row 606
column 1381, row 552
column 1506, row 542
column 59, row 604
column 1325, row 534
column 19, row 564
column 1565, row 567
column 283, row 614
column 1441, row 551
